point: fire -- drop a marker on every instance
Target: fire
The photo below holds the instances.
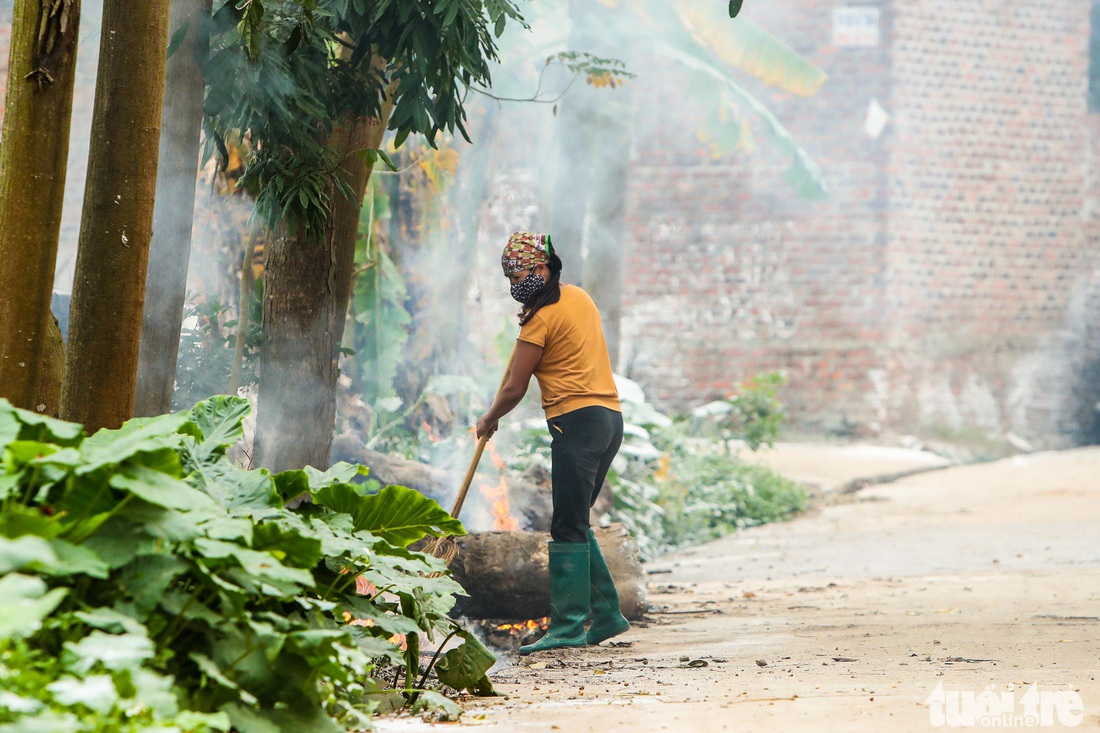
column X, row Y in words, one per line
column 499, row 506
column 524, row 626
column 497, row 496
column 497, row 460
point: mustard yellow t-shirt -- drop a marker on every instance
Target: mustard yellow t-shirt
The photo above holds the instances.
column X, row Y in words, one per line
column 575, row 369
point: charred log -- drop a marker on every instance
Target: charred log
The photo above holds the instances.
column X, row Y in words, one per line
column 507, row 576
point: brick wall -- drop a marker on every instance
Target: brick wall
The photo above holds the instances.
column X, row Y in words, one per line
column 950, row 282
column 989, row 261
column 751, row 278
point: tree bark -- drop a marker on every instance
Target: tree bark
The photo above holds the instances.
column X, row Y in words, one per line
column 307, row 285
column 116, row 226
column 33, row 160
column 173, row 212
column 507, row 575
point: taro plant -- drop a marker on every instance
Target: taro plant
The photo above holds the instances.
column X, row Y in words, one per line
column 150, row 584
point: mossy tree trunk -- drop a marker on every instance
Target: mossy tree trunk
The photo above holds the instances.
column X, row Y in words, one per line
column 116, row 225
column 307, row 286
column 173, row 213
column 33, row 158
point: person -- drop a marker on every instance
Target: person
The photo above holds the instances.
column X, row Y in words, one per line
column 561, row 343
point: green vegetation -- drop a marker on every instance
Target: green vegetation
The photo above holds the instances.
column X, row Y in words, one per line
column 682, row 484
column 150, row 584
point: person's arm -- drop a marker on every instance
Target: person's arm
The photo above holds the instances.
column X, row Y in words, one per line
column 515, row 387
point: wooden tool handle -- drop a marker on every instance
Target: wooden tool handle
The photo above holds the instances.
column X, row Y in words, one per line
column 461, row 498
column 469, row 475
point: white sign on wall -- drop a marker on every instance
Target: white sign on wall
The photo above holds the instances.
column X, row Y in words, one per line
column 856, row 26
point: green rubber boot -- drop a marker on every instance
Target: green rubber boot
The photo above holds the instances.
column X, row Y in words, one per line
column 569, row 597
column 607, row 618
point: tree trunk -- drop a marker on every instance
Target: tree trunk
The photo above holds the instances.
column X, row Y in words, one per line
column 294, row 420
column 109, row 284
column 307, row 285
column 173, row 213
column 507, row 575
column 33, row 160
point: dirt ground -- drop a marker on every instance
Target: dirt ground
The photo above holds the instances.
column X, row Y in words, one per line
column 884, row 609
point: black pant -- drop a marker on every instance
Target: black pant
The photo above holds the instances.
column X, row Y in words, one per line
column 584, row 443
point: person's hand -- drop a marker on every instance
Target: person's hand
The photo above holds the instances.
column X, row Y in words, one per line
column 484, row 427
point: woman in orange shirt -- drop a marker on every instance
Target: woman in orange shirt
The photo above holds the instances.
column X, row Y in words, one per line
column 561, row 343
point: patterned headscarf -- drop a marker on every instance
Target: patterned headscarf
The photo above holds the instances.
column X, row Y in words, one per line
column 525, row 250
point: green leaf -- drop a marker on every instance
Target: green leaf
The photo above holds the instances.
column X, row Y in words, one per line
column 263, row 565
column 149, row 576
column 465, row 666
column 220, row 419
column 397, row 514
column 47, row 721
column 110, row 620
column 77, row 560
column 287, row 543
column 735, row 7
column 697, row 28
column 442, row 708
column 135, row 437
column 96, row 692
column 113, row 651
column 804, row 175
column 24, row 603
column 339, row 473
column 291, row 484
column 26, row 425
column 177, row 37
column 26, row 552
column 161, row 489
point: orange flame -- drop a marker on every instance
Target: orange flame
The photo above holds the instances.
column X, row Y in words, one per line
column 498, row 496
column 499, row 506
column 497, row 460
column 529, row 625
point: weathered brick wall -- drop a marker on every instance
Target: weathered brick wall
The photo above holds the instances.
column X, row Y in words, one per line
column 988, row 259
column 730, row 275
column 951, row 280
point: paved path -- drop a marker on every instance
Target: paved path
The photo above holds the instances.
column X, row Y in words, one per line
column 952, row 582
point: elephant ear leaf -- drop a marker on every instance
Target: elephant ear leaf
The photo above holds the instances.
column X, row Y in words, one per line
column 220, row 420
column 735, row 7
column 465, row 667
column 397, row 514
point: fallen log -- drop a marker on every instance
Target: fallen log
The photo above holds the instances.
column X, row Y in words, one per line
column 507, row 576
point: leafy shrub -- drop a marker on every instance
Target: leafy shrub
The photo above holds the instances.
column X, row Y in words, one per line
column 150, row 584
column 677, row 482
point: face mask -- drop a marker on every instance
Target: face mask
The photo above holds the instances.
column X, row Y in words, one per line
column 526, row 289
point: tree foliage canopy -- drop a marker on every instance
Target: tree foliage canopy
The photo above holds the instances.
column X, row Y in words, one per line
column 290, row 71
